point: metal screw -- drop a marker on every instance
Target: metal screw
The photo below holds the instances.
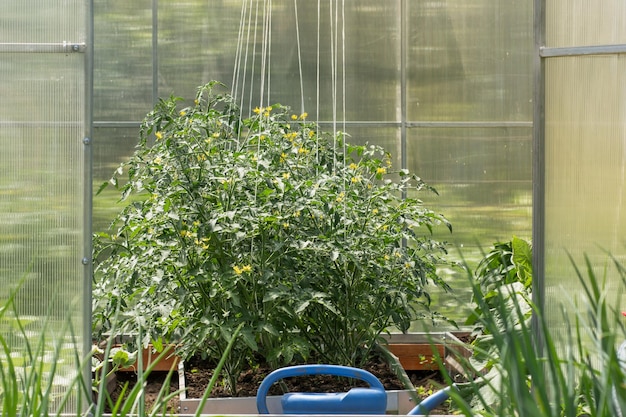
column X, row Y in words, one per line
column 86, row 141
column 85, row 261
column 75, row 48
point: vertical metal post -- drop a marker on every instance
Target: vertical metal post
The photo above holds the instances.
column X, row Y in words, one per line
column 403, row 81
column 403, row 84
column 88, row 199
column 155, row 52
column 539, row 167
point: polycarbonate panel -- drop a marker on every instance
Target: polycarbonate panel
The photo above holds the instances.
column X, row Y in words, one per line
column 123, row 59
column 36, row 21
column 585, row 174
column 470, row 60
column 389, row 138
column 357, row 46
column 111, row 147
column 197, row 44
column 484, row 183
column 43, row 234
column 584, row 22
column 484, row 180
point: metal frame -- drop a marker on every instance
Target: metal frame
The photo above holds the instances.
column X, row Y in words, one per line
column 538, row 216
column 543, row 53
column 88, row 191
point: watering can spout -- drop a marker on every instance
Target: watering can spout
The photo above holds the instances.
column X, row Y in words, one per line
column 429, row 403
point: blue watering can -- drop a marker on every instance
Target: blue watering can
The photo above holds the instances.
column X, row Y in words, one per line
column 372, row 400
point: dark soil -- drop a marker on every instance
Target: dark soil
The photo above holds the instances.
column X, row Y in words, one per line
column 198, row 374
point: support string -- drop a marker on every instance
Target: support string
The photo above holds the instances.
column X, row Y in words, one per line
column 295, row 8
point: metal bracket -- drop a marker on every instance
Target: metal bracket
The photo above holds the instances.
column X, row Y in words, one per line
column 64, row 47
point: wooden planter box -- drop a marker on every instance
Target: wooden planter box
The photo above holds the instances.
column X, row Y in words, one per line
column 398, row 401
column 421, row 351
column 149, row 355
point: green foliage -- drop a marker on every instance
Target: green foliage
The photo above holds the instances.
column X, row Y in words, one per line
column 506, row 269
column 265, row 221
column 32, row 384
column 507, row 263
column 525, row 371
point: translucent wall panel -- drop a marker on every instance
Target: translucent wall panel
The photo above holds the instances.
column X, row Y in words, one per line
column 43, row 233
column 35, row 21
column 483, row 177
column 585, row 170
column 42, row 196
column 200, row 42
column 469, row 60
column 123, row 59
column 112, row 146
column 387, row 137
column 584, row 23
column 197, row 44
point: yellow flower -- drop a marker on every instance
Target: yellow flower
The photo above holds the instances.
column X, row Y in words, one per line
column 267, row 113
column 285, row 225
column 216, row 135
column 296, row 213
column 203, row 243
column 381, row 170
column 283, row 157
column 241, row 269
column 303, row 151
column 303, row 116
column 196, row 102
column 291, row 135
column 353, row 166
column 294, row 117
column 375, row 211
column 355, row 179
column 157, row 160
column 340, row 197
column 258, row 110
column 285, row 175
column 158, row 135
column 182, row 112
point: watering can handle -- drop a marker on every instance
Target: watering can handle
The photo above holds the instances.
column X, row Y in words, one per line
column 303, row 370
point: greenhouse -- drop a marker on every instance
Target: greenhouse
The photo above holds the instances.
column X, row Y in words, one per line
column 366, row 139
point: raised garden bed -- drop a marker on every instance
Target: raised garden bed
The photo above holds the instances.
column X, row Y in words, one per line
column 411, row 358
